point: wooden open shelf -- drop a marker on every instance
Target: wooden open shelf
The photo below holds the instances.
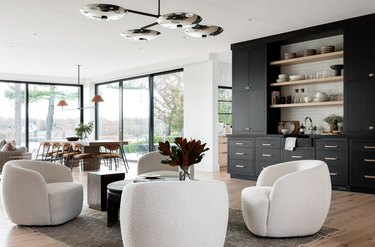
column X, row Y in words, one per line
column 327, row 103
column 309, row 81
column 312, row 58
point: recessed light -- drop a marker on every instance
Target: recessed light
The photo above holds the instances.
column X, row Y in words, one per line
column 10, row 46
column 250, row 19
column 35, row 34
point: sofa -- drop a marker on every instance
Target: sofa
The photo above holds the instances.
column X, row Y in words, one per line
column 7, row 155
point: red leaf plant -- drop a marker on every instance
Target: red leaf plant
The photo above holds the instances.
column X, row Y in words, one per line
column 183, row 154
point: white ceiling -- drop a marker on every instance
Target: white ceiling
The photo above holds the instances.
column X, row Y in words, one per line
column 50, row 37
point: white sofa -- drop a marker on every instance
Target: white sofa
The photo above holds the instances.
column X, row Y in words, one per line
column 39, row 193
column 290, row 199
column 174, row 213
column 151, row 163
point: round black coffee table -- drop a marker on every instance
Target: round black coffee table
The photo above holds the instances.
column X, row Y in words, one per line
column 114, row 191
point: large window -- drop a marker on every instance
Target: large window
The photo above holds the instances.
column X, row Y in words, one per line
column 45, row 121
column 142, row 111
column 225, row 105
column 12, row 117
column 108, row 120
column 168, row 106
column 48, row 121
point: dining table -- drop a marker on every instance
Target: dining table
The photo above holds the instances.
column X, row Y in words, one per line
column 93, row 147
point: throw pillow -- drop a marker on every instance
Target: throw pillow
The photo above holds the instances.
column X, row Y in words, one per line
column 2, row 143
column 9, row 146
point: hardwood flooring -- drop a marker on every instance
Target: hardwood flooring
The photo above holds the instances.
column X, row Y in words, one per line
column 352, row 213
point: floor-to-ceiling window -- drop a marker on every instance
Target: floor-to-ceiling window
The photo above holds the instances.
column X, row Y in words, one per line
column 29, row 113
column 144, row 111
column 108, row 117
column 168, row 106
column 48, row 121
column 136, row 113
column 12, row 117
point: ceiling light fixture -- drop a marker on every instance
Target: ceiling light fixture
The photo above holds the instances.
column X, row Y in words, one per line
column 177, row 20
column 95, row 99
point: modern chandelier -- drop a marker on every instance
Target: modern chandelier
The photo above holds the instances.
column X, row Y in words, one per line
column 95, row 99
column 177, row 20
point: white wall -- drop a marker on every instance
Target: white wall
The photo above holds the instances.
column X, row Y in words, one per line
column 200, row 112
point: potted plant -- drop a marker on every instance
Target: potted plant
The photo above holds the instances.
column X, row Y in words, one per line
column 183, row 154
column 83, row 130
column 332, row 121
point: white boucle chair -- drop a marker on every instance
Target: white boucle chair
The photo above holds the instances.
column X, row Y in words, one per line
column 150, row 163
column 290, row 199
column 174, row 213
column 39, row 193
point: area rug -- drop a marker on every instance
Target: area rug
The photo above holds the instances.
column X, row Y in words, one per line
column 89, row 229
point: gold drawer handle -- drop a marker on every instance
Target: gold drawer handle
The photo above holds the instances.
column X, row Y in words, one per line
column 266, row 155
column 240, row 166
column 329, row 158
column 297, row 156
column 240, row 154
column 369, row 160
column 266, row 144
column 333, row 173
column 240, row 143
column 330, row 146
column 369, row 147
column 371, row 177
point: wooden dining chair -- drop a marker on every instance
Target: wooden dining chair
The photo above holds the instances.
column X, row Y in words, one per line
column 80, row 156
column 115, row 153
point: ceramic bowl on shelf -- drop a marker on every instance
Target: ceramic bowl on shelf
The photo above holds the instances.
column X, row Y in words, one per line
column 285, row 131
column 309, row 52
column 281, row 80
column 297, row 77
column 308, row 99
column 327, row 49
column 290, row 55
column 283, row 76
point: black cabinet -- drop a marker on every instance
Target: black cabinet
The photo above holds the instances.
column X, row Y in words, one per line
column 362, row 164
column 249, row 90
column 240, row 156
column 359, row 85
column 267, row 152
column 335, row 153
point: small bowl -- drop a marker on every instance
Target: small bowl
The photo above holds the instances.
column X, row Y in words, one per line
column 327, row 49
column 282, row 76
column 297, row 77
column 285, row 131
column 308, row 99
column 72, row 138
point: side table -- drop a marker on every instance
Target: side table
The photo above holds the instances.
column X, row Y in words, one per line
column 97, row 187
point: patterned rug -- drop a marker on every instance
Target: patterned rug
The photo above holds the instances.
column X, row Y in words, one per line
column 89, row 229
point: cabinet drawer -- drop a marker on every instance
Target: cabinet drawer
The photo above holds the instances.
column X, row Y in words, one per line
column 362, row 169
column 332, row 144
column 333, row 157
column 241, row 142
column 363, row 145
column 339, row 175
column 267, row 142
column 298, row 154
column 240, row 166
column 268, row 154
column 241, row 153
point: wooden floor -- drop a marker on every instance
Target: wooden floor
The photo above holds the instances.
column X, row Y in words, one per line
column 352, row 213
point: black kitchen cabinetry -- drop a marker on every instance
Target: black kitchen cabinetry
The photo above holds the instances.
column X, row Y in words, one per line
column 241, row 157
column 267, row 152
column 362, row 165
column 359, row 85
column 335, row 153
column 249, row 90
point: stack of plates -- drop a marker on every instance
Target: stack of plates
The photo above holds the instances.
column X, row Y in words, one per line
column 309, row 52
column 290, row 55
column 327, row 49
column 297, row 77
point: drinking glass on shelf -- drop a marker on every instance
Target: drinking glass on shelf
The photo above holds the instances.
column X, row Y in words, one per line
column 319, row 74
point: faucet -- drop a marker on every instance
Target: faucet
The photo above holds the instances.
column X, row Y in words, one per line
column 311, row 128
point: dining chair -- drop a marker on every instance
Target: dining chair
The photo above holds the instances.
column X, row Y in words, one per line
column 80, row 156
column 113, row 152
column 42, row 151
